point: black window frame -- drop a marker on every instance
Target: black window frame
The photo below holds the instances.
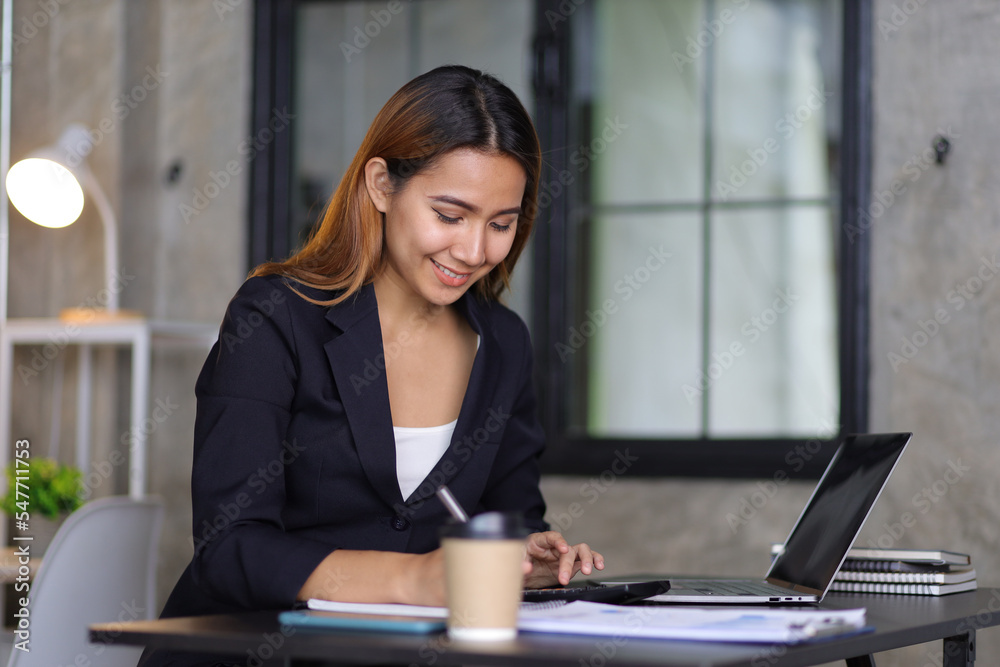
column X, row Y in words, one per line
column 566, row 454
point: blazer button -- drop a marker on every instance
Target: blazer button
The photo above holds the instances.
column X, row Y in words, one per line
column 399, row 523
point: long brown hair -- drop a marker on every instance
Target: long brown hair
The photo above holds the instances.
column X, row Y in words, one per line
column 447, row 108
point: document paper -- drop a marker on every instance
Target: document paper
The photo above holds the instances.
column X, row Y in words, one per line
column 697, row 624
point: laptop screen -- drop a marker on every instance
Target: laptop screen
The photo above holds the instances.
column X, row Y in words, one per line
column 839, row 505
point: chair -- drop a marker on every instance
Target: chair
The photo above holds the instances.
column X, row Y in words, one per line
column 100, row 567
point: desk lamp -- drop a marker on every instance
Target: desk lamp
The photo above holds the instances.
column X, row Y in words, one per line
column 48, row 188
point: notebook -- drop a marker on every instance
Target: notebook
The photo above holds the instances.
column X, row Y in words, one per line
column 821, row 537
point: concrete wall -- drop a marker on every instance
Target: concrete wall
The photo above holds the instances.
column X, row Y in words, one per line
column 164, row 86
column 937, row 237
column 934, row 354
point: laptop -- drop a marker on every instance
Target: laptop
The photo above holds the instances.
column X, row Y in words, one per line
column 820, row 539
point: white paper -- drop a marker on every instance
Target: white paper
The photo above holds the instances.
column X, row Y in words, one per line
column 693, row 623
column 387, row 609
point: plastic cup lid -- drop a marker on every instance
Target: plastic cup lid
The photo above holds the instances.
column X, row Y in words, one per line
column 487, row 526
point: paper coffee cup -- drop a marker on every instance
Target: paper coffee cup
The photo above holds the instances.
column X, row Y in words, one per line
column 483, row 576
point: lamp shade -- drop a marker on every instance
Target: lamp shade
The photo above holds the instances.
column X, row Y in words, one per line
column 48, row 188
column 45, row 192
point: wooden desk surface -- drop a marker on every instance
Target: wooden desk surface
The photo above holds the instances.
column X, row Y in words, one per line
column 897, row 620
column 10, row 565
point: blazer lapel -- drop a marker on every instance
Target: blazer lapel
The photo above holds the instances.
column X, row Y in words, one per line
column 357, row 360
column 358, row 363
column 477, row 404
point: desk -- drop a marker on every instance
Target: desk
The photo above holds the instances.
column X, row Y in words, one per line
column 898, row 621
column 56, row 334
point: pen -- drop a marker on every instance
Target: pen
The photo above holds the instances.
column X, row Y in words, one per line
column 449, row 501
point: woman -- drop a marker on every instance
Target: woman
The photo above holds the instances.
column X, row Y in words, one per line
column 374, row 365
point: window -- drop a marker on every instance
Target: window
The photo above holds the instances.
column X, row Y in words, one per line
column 702, row 304
column 692, row 296
column 333, row 64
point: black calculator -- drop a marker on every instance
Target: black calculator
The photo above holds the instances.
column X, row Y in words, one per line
column 593, row 591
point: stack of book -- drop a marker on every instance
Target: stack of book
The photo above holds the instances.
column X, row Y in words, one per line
column 905, row 572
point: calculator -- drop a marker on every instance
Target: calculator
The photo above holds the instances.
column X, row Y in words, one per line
column 593, row 591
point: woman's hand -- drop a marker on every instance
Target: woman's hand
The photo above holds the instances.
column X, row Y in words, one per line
column 553, row 561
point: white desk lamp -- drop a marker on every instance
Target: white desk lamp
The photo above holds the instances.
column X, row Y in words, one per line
column 48, row 188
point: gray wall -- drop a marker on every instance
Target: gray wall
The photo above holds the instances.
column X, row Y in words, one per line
column 936, row 72
column 75, row 64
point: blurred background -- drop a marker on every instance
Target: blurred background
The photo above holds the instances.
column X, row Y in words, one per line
column 763, row 223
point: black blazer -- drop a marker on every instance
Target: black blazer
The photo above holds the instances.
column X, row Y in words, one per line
column 294, row 454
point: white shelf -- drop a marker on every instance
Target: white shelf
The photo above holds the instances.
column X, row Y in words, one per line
column 139, row 333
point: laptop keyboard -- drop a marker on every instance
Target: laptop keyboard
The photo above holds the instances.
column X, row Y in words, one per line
column 733, row 587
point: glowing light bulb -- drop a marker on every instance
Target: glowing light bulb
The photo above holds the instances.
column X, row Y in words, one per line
column 45, row 192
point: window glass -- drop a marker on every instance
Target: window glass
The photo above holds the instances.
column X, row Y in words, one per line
column 771, row 99
column 352, row 56
column 647, row 117
column 713, row 133
column 643, row 297
column 772, row 366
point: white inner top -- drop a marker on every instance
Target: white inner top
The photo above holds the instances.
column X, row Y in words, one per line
column 417, row 450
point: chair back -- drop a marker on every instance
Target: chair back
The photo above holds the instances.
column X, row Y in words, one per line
column 99, row 568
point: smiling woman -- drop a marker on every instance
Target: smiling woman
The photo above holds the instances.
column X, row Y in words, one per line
column 445, row 231
column 451, row 225
column 431, row 116
column 383, row 356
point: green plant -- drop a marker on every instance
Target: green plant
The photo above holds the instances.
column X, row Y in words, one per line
column 50, row 488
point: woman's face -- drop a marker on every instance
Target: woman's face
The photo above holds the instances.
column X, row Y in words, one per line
column 451, row 223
